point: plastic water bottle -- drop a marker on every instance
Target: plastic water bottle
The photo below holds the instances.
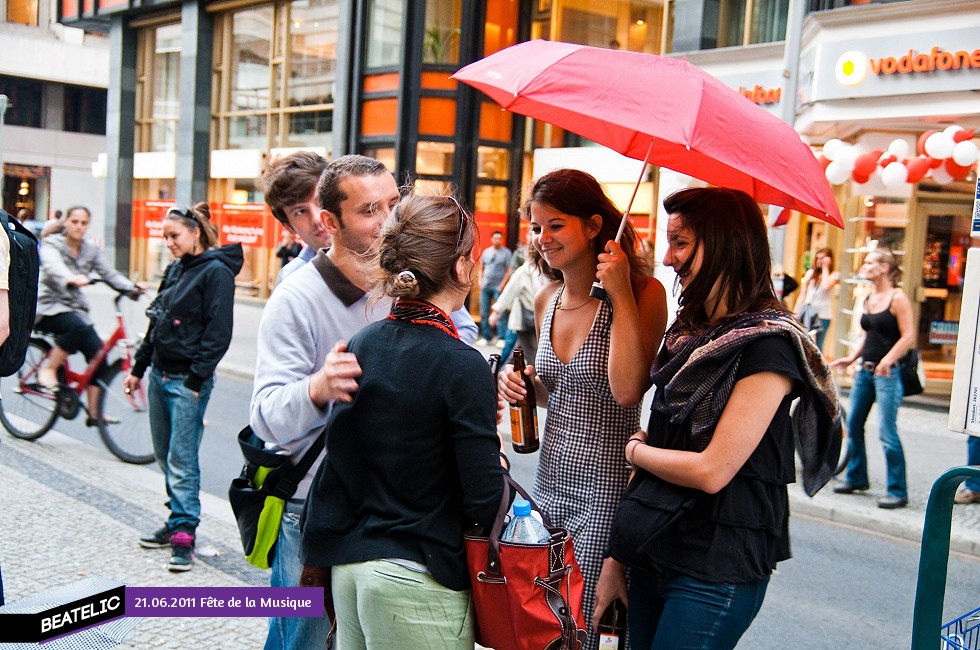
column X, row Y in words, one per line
column 523, row 527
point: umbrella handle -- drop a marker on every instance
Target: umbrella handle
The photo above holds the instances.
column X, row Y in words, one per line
column 598, row 291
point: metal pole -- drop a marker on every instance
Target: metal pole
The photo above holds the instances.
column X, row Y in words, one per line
column 4, row 105
column 787, row 104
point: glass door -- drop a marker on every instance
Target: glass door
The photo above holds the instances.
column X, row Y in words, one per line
column 947, row 238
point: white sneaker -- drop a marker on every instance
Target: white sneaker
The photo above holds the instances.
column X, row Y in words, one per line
column 481, row 341
column 500, row 344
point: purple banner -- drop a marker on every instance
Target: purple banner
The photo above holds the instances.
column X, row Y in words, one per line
column 224, row 601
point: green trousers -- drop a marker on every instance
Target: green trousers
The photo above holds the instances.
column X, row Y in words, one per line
column 381, row 604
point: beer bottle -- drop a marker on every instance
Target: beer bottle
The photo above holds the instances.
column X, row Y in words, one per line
column 494, row 361
column 524, row 412
column 612, row 627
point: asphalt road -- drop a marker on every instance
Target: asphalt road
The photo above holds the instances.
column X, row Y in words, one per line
column 844, row 588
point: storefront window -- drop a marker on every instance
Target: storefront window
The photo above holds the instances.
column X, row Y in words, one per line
column 441, row 42
column 434, row 158
column 22, row 12
column 251, row 48
column 384, row 33
column 312, row 53
column 769, row 21
column 493, row 163
column 694, row 25
column 164, row 101
column 633, row 26
column 25, row 97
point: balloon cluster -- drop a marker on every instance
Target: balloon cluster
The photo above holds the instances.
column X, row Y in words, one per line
column 943, row 156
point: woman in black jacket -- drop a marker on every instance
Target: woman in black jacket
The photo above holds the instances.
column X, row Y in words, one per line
column 190, row 330
column 414, row 460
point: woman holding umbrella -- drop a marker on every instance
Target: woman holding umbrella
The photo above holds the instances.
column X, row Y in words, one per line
column 593, row 361
column 706, row 516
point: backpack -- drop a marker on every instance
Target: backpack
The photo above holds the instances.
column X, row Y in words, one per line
column 22, row 297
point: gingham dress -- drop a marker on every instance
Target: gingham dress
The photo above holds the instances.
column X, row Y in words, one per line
column 582, row 473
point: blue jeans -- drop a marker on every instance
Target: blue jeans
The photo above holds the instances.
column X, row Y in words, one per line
column 292, row 632
column 822, row 334
column 176, row 426
column 693, row 613
column 488, row 296
column 972, row 458
column 887, row 392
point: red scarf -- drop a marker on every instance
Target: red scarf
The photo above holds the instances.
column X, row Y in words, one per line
column 423, row 313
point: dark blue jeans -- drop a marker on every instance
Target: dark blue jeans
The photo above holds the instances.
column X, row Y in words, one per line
column 673, row 611
column 869, row 389
column 972, row 458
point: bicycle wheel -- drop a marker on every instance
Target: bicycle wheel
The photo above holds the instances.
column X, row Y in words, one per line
column 123, row 423
column 27, row 410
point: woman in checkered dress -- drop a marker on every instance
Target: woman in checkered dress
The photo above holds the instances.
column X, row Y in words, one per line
column 592, row 369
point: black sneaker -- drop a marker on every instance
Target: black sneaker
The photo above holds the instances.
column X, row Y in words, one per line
column 157, row 539
column 182, row 556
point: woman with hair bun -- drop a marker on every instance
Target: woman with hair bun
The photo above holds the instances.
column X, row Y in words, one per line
column 414, row 460
column 888, row 334
column 189, row 333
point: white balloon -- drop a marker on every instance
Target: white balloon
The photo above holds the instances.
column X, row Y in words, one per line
column 894, row 174
column 899, row 148
column 964, row 153
column 831, row 147
column 836, row 173
column 953, row 128
column 941, row 176
column 847, row 155
column 939, row 146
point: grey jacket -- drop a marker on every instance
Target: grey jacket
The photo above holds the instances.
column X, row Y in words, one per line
column 58, row 265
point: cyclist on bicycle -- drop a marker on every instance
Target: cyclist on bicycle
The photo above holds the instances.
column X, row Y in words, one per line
column 67, row 261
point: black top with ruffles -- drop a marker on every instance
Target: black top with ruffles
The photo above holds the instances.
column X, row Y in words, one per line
column 739, row 534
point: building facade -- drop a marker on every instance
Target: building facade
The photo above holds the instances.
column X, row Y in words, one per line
column 202, row 94
column 55, row 79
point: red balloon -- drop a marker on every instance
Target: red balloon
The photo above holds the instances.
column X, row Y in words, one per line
column 958, row 172
column 887, row 159
column 920, row 144
column 865, row 164
column 918, row 168
column 965, row 134
column 936, row 163
column 824, row 161
column 859, row 177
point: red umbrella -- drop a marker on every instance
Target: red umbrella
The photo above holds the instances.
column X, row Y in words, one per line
column 661, row 110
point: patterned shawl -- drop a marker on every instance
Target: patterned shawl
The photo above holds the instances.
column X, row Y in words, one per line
column 697, row 380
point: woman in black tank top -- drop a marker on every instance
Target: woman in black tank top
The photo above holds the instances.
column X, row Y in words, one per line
column 888, row 333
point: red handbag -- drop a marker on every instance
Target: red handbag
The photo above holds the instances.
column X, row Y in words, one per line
column 526, row 596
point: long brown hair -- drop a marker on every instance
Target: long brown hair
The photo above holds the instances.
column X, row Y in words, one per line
column 578, row 194
column 729, row 229
column 424, row 236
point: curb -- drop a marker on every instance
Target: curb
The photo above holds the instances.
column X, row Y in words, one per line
column 879, row 521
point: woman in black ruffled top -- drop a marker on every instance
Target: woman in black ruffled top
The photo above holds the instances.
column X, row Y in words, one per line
column 706, row 516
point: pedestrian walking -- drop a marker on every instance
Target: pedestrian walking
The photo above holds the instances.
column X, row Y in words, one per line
column 593, row 361
column 414, row 459
column 189, row 332
column 886, row 323
column 494, row 263
column 706, row 516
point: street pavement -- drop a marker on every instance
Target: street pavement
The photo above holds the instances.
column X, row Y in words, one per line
column 70, row 510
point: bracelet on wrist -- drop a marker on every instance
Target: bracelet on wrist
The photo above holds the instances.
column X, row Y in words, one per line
column 629, row 453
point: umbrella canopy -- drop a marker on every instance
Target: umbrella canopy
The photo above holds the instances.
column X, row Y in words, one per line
column 627, row 100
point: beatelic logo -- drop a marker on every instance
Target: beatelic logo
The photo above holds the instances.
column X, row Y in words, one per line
column 852, row 66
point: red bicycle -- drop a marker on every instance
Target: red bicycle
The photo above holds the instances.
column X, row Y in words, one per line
column 28, row 410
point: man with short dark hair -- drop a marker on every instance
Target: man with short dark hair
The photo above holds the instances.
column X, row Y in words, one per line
column 289, row 184
column 494, row 263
